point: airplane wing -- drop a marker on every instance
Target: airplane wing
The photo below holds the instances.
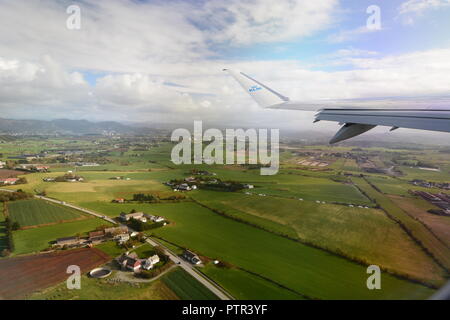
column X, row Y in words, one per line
column 357, row 115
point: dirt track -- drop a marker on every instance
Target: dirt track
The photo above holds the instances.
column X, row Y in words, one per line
column 23, row 275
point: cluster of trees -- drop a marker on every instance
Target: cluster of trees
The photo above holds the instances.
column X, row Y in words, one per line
column 144, row 197
column 13, row 196
column 22, row 180
column 130, row 244
column 10, row 227
column 142, row 226
column 251, row 166
column 66, row 177
column 230, row 186
column 140, row 197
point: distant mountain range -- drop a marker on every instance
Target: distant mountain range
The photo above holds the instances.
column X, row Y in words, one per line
column 64, row 126
column 319, row 136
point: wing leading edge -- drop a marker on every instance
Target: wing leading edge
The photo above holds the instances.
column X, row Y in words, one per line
column 356, row 119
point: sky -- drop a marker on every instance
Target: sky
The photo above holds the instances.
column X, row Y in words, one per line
column 162, row 61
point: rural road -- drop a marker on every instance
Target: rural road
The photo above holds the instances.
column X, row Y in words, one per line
column 219, row 292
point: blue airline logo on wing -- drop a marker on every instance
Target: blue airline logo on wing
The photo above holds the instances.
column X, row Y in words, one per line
column 254, row 88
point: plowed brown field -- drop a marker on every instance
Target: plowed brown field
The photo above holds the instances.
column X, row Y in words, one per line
column 23, row 275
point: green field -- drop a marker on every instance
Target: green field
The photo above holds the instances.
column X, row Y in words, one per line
column 253, row 237
column 396, row 186
column 296, row 266
column 101, row 289
column 365, row 235
column 416, row 173
column 144, row 251
column 37, row 239
column 245, row 286
column 111, row 248
column 187, row 287
column 36, row 212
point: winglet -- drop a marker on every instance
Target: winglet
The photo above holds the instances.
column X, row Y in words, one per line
column 262, row 94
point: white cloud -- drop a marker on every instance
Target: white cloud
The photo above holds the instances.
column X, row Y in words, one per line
column 156, row 59
column 130, row 36
column 410, row 9
column 258, row 21
column 419, row 6
column 350, row 35
column 39, row 84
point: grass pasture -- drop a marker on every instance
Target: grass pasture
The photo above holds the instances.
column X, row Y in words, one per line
column 304, row 269
column 101, row 289
column 37, row 239
column 396, row 186
column 416, row 173
column 245, row 286
column 365, row 235
column 187, row 287
column 36, row 212
column 296, row 266
column 111, row 248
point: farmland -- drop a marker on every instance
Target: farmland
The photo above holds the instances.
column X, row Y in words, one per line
column 214, row 236
column 29, row 273
column 289, row 263
column 439, row 251
column 245, row 286
column 186, row 287
column 417, row 208
column 395, row 186
column 302, row 234
column 365, row 235
column 38, row 212
column 4, row 173
column 101, row 289
column 37, row 239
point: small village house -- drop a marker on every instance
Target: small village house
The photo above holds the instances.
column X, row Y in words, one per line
column 129, row 261
column 191, row 257
column 9, row 181
column 136, row 215
column 113, row 231
column 96, row 236
column 154, row 218
column 150, row 262
column 70, row 241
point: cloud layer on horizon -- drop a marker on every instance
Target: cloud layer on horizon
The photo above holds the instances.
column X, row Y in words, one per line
column 161, row 61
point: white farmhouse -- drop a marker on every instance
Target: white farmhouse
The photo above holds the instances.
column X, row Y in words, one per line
column 150, row 262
